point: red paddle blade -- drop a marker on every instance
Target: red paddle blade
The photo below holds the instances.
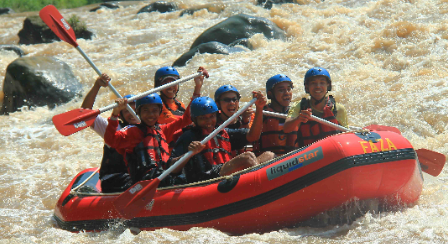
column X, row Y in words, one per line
column 75, row 120
column 136, row 198
column 383, row 128
column 431, row 162
column 51, row 16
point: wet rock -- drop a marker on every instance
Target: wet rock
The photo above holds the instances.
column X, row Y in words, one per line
column 161, row 6
column 267, row 4
column 215, row 8
column 237, row 27
column 105, row 5
column 38, row 81
column 242, row 42
column 13, row 48
column 209, row 47
column 35, row 31
column 6, row 11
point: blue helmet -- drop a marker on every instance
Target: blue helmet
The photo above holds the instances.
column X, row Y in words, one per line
column 129, row 96
column 164, row 72
column 276, row 79
column 316, row 71
column 150, row 99
column 224, row 89
column 202, row 106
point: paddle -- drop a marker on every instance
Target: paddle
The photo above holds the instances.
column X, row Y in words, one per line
column 132, row 201
column 78, row 119
column 51, row 16
column 431, row 162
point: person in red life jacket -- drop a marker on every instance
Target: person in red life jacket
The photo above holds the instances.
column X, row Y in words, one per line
column 273, row 138
column 173, row 109
column 317, row 83
column 145, row 146
column 227, row 98
column 214, row 159
column 114, row 176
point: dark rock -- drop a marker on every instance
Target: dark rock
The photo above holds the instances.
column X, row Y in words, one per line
column 35, row 31
column 243, row 42
column 215, row 8
column 209, row 47
column 237, row 27
column 13, row 48
column 161, row 6
column 6, row 11
column 105, row 5
column 267, row 4
column 38, row 81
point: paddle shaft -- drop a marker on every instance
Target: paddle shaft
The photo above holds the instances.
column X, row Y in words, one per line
column 144, row 94
column 317, row 119
column 206, row 139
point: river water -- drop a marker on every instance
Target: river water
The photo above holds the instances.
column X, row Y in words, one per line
column 388, row 64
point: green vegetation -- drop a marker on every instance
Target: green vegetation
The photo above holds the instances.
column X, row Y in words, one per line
column 77, row 25
column 36, row 5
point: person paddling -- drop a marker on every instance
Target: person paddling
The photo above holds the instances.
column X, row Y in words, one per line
column 173, row 109
column 145, row 146
column 273, row 138
column 113, row 173
column 317, row 83
column 227, row 98
column 214, row 159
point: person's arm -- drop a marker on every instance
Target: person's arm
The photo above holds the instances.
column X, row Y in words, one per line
column 341, row 116
column 195, row 146
column 199, row 81
column 295, row 118
column 89, row 100
column 257, row 125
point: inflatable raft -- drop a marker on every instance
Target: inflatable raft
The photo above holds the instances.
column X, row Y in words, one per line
column 281, row 193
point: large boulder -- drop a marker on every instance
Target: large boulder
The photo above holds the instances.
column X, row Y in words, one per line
column 35, row 31
column 160, row 6
column 38, row 81
column 209, row 47
column 238, row 27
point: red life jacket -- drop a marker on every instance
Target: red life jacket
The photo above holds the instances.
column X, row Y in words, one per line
column 313, row 131
column 169, row 115
column 273, row 138
column 149, row 157
column 218, row 149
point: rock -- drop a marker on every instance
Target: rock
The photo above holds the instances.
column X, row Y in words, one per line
column 237, row 27
column 6, row 11
column 243, row 42
column 161, row 6
column 105, row 5
column 13, row 48
column 209, row 47
column 35, row 31
column 215, row 8
column 38, row 81
column 267, row 4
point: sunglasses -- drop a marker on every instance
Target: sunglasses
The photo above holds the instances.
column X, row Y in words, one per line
column 228, row 99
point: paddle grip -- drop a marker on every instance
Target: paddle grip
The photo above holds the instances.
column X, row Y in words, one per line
column 206, row 139
column 112, row 88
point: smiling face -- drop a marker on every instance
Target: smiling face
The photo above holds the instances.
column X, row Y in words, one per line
column 206, row 122
column 169, row 92
column 149, row 113
column 317, row 86
column 127, row 116
column 282, row 93
column 229, row 103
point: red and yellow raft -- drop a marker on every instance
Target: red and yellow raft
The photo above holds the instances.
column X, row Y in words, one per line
column 281, row 193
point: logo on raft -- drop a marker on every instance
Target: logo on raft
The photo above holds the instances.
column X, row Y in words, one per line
column 295, row 163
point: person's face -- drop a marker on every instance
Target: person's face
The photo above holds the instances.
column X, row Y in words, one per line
column 149, row 114
column 169, row 92
column 229, row 103
column 127, row 116
column 317, row 87
column 283, row 93
column 207, row 121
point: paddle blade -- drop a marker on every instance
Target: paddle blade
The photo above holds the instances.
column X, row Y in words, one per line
column 132, row 201
column 75, row 120
column 51, row 16
column 383, row 128
column 431, row 162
